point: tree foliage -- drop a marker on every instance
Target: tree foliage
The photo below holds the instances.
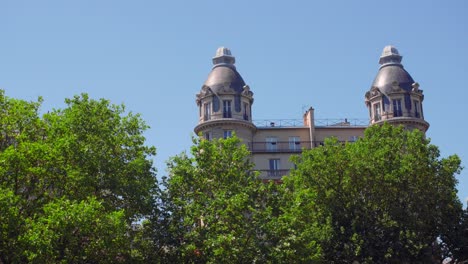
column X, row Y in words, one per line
column 76, row 232
column 74, row 180
column 87, row 160
column 10, row 224
column 217, row 207
column 457, row 243
column 389, row 197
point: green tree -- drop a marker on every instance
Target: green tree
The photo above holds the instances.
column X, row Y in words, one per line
column 389, row 197
column 10, row 225
column 102, row 153
column 215, row 207
column 76, row 232
column 456, row 244
column 90, row 149
column 19, row 120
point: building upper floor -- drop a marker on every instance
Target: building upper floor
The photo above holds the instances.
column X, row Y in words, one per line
column 225, row 107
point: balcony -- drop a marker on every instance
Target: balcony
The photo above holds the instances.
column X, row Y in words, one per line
column 282, row 146
column 272, row 174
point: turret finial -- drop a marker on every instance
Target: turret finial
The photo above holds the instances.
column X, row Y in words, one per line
column 390, row 55
column 223, row 56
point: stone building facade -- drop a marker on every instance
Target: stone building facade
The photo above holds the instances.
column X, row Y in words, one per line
column 225, row 107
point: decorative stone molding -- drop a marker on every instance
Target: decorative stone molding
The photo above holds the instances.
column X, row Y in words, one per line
column 396, row 86
column 246, row 92
column 224, row 122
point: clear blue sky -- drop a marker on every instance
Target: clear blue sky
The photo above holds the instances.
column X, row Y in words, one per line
column 153, row 56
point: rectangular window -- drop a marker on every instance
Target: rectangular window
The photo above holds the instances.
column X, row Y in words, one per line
column 246, row 115
column 294, row 143
column 397, row 111
column 227, row 109
column 274, row 167
column 271, row 144
column 377, row 112
column 227, row 134
column 416, row 109
column 207, row 135
column 207, row 115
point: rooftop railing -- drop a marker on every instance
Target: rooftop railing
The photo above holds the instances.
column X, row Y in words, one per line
column 341, row 122
column 279, row 123
column 327, row 122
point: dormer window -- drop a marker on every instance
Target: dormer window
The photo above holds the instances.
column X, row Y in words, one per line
column 227, row 113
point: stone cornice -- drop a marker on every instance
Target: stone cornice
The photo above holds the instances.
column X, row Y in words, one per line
column 406, row 121
column 224, row 121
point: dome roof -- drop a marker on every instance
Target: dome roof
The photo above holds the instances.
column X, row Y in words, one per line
column 224, row 76
column 392, row 72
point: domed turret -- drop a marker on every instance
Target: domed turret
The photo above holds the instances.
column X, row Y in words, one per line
column 224, row 76
column 394, row 96
column 225, row 100
column 391, row 71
